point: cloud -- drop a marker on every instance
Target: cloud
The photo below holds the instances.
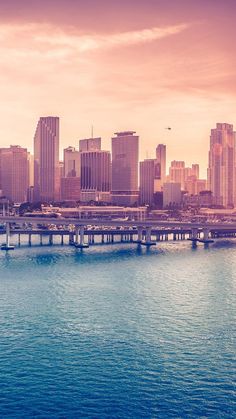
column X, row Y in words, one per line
column 85, row 43
column 45, row 36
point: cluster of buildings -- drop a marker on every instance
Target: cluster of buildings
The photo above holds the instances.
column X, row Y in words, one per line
column 91, row 174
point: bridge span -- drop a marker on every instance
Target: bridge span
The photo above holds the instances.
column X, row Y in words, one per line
column 145, row 233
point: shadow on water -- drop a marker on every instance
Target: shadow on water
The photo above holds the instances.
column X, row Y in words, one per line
column 221, row 244
column 218, row 244
column 11, row 259
column 194, row 247
column 51, row 255
column 105, row 254
column 47, row 259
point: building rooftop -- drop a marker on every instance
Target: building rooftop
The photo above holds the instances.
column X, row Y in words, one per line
column 124, row 133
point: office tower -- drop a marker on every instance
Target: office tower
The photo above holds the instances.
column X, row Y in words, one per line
column 61, row 169
column 171, row 195
column 90, row 144
column 96, row 170
column 149, row 174
column 195, row 170
column 70, row 188
column 205, row 199
column 221, row 169
column 177, row 172
column 158, row 182
column 191, row 171
column 190, row 185
column 46, row 159
column 71, row 179
column 71, row 162
column 30, row 191
column 31, row 169
column 14, row 173
column 194, row 186
column 161, row 159
column 125, row 151
column 146, row 192
column 201, row 185
column 187, row 173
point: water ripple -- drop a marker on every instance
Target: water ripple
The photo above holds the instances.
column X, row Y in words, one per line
column 116, row 332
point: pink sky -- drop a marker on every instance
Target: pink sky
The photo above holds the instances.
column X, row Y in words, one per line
column 136, row 65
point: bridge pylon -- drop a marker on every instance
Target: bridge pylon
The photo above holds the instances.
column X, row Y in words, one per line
column 7, row 245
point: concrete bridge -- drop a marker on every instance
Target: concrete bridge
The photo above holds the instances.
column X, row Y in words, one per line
column 145, row 233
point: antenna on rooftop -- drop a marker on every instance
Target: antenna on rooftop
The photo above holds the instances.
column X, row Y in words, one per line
column 91, row 131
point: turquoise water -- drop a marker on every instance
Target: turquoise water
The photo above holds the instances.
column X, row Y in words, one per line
column 116, row 332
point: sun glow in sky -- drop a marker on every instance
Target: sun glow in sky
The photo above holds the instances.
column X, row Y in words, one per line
column 119, row 65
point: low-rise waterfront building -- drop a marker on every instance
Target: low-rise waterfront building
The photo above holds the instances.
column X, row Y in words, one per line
column 98, row 212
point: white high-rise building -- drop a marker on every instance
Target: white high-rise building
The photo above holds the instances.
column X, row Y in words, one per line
column 221, row 169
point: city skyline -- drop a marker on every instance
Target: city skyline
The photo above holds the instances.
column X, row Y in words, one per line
column 90, row 173
column 86, row 68
column 150, row 153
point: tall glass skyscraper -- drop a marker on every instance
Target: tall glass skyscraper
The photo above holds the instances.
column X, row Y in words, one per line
column 125, row 154
column 46, row 159
column 221, row 169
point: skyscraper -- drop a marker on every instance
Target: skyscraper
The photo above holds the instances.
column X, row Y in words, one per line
column 221, row 169
column 71, row 162
column 14, row 173
column 90, row 144
column 46, row 159
column 61, row 169
column 125, row 151
column 177, row 172
column 161, row 159
column 96, row 170
column 70, row 188
column 31, row 169
column 194, row 186
column 71, row 179
column 195, row 170
column 147, row 172
column 30, row 193
column 149, row 176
